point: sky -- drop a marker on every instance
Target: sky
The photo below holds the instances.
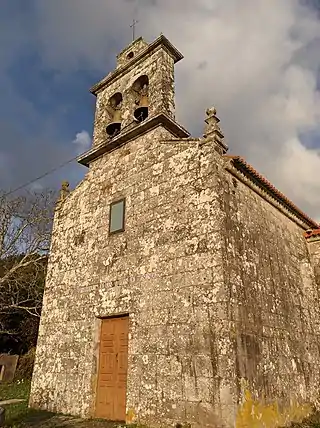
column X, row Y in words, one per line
column 256, row 61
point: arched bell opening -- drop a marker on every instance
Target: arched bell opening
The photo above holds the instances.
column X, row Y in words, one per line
column 114, row 111
column 140, row 89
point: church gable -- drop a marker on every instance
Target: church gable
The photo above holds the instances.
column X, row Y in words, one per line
column 172, row 283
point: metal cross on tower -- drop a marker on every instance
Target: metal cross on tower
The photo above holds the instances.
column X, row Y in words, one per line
column 133, row 26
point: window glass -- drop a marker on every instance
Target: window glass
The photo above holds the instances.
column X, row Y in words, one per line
column 116, row 216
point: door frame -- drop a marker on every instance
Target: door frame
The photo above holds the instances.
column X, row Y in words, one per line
column 96, row 354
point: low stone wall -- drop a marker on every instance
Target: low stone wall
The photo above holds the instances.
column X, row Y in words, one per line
column 8, row 365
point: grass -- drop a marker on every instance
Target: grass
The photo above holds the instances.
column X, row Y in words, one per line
column 20, row 416
column 19, row 389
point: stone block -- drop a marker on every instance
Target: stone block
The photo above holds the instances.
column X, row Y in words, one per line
column 8, row 364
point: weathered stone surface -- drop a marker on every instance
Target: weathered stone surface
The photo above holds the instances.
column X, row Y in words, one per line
column 215, row 275
column 314, row 249
column 274, row 300
column 130, row 52
column 8, row 365
column 158, row 65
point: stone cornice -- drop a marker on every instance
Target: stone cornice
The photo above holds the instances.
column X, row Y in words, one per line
column 313, row 239
column 312, row 235
column 270, row 194
column 179, row 140
column 161, row 41
column 110, row 144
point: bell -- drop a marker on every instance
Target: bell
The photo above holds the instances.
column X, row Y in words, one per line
column 141, row 112
column 114, row 127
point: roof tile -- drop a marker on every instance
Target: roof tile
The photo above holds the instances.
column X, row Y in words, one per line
column 312, row 232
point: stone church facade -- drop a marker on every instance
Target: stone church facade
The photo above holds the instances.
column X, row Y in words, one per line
column 182, row 287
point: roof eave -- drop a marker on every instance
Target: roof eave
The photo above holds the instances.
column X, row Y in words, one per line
column 110, row 144
column 241, row 164
column 160, row 41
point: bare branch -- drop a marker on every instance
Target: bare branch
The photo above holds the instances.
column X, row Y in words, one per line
column 25, row 232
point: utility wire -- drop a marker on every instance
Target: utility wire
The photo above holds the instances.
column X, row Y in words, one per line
column 40, row 176
column 54, row 169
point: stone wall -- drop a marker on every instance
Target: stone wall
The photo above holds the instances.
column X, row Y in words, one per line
column 130, row 52
column 159, row 67
column 165, row 270
column 314, row 249
column 221, row 295
column 273, row 304
column 217, row 282
column 8, row 365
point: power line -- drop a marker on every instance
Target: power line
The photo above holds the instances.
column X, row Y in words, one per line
column 40, row 176
column 57, row 167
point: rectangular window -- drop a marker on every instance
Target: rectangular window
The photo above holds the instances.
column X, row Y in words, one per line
column 116, row 219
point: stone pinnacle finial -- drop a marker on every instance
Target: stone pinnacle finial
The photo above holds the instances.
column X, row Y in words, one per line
column 212, row 122
column 213, row 130
column 64, row 191
column 212, row 111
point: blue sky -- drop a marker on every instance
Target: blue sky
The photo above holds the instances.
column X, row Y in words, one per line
column 41, row 107
column 258, row 64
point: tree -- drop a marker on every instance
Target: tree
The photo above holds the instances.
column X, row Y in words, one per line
column 25, row 230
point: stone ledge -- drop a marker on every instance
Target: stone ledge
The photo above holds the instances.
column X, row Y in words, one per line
column 161, row 41
column 148, row 125
column 313, row 239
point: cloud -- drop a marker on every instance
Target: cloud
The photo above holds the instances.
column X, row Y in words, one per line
column 76, row 33
column 256, row 61
column 298, row 171
column 36, row 187
column 82, row 141
column 36, row 115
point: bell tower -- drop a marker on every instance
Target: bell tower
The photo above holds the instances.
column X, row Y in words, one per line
column 137, row 96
